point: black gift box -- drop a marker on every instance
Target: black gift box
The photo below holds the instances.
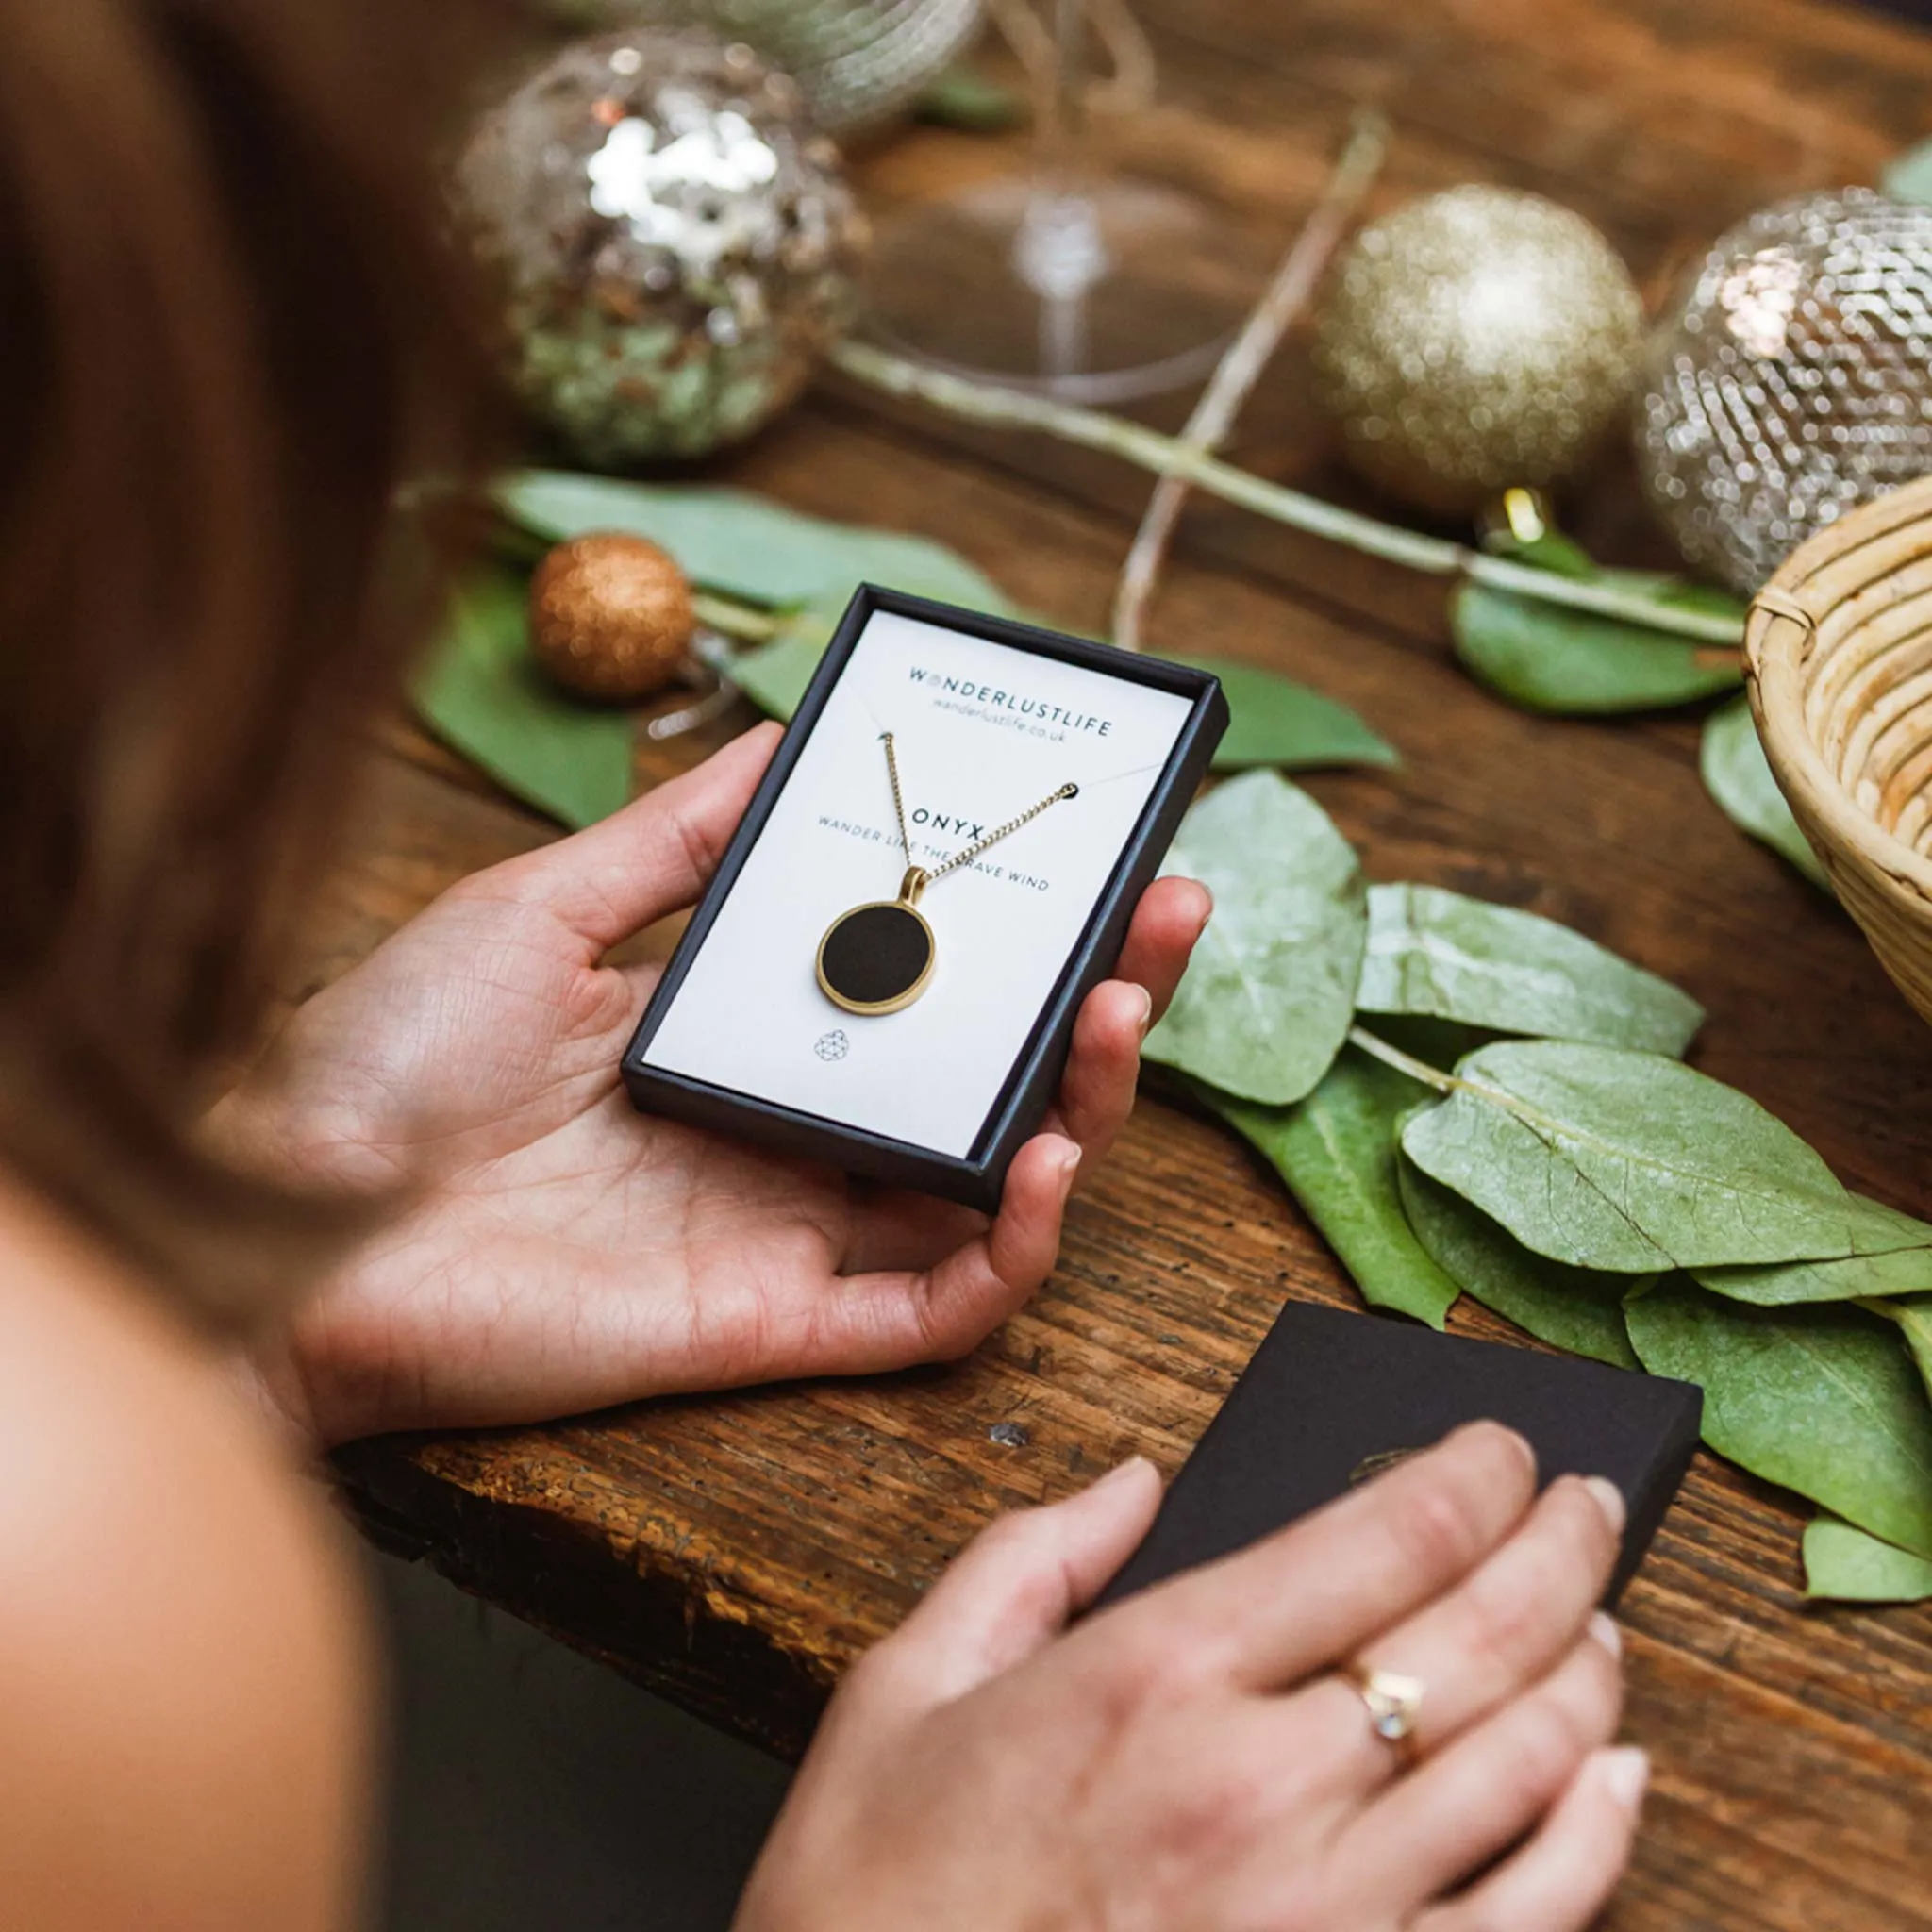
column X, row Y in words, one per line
column 1331, row 1398
column 976, row 1176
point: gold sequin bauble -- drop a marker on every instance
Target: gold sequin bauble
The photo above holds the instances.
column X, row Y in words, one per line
column 858, row 62
column 1793, row 381
column 610, row 616
column 675, row 240
column 1476, row 339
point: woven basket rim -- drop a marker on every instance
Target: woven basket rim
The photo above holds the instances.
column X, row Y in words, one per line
column 1776, row 631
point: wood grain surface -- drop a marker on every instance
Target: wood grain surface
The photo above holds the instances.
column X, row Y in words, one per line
column 734, row 1553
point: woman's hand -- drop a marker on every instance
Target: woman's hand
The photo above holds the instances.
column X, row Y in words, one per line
column 561, row 1252
column 1189, row 1761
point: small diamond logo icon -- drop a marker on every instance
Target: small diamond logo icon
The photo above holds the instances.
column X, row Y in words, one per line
column 832, row 1045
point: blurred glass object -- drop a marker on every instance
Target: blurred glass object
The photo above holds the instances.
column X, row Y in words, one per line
column 1792, row 381
column 675, row 240
column 858, row 62
column 1067, row 281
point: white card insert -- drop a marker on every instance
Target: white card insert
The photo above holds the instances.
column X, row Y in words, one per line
column 983, row 730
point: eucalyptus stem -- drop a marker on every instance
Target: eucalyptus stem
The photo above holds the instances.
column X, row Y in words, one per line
column 1543, row 1125
column 745, row 622
column 1378, row 1048
column 1168, row 455
column 1287, row 294
column 1602, row 600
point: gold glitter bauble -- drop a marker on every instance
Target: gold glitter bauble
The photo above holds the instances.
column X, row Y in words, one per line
column 610, row 616
column 675, row 240
column 1793, row 381
column 1475, row 340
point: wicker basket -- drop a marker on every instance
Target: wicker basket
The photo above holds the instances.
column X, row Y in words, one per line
column 1838, row 652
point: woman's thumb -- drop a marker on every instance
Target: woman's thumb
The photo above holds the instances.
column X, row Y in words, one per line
column 1011, row 1591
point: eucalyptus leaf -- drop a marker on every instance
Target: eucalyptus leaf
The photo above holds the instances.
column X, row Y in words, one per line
column 1579, row 1310
column 1822, row 1400
column 1847, row 1565
column 963, row 97
column 1435, row 951
column 1550, row 550
column 742, row 545
column 1268, row 996
column 1687, row 594
column 1913, row 1315
column 1630, row 1161
column 773, row 675
column 1907, row 177
column 1548, row 659
column 480, row 690
column 1901, row 1272
column 1737, row 775
column 1274, row 721
column 1884, row 1230
column 1336, row 1150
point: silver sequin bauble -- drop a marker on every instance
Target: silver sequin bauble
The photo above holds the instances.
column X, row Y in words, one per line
column 1793, row 381
column 676, row 241
column 1475, row 340
column 858, row 62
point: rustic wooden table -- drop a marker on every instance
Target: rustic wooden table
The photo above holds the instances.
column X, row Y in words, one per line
column 736, row 1552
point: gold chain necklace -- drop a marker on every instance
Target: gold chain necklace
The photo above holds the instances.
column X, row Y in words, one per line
column 879, row 957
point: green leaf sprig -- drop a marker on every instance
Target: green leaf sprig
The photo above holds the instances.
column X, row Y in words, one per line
column 1572, row 663
column 1270, row 995
column 1737, row 773
column 482, row 692
column 1548, row 1154
column 767, row 574
column 974, row 103
column 1337, row 1151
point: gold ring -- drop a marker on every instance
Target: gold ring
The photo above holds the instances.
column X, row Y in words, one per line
column 1393, row 1703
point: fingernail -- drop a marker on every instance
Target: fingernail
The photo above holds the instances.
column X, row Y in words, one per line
column 1603, row 1626
column 1120, row 1473
column 1609, row 1499
column 1626, row 1774
column 1524, row 1447
column 1146, row 1011
column 1519, row 1445
column 1209, row 913
column 1070, row 1166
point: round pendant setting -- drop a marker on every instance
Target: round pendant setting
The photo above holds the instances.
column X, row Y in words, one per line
column 877, row 957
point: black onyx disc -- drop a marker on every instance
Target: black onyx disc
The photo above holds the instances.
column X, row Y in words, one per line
column 876, row 958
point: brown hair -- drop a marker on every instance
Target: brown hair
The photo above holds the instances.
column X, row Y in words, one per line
column 227, row 331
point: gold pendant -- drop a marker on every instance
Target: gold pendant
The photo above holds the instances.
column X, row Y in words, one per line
column 877, row 957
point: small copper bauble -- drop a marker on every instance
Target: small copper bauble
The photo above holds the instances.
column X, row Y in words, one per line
column 1792, row 380
column 610, row 616
column 1475, row 339
column 675, row 240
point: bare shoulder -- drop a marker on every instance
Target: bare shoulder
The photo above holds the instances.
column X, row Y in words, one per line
column 182, row 1671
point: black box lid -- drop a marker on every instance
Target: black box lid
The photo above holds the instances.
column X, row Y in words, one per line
column 1330, row 1397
